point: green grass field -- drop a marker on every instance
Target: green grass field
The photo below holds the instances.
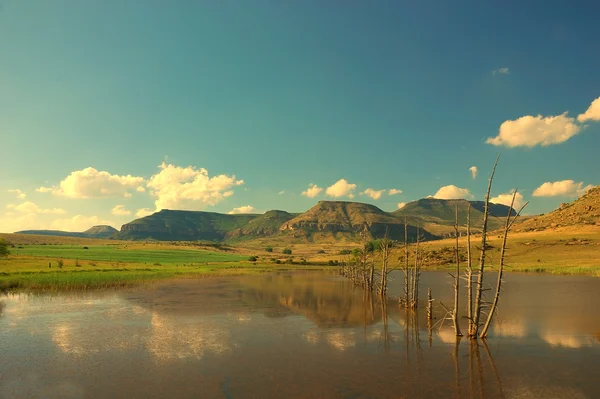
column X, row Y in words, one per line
column 118, row 253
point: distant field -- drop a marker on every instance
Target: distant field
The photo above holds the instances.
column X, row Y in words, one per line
column 117, row 253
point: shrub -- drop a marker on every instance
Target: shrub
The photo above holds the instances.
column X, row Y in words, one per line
column 345, row 252
column 252, row 258
column 269, row 249
column 60, row 263
column 287, row 251
column 330, row 263
column 277, row 262
column 85, row 248
column 4, row 251
column 77, row 264
column 320, row 251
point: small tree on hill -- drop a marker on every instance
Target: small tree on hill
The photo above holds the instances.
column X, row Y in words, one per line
column 4, row 251
column 287, row 251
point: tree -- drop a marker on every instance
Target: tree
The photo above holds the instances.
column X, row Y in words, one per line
column 4, row 251
column 269, row 249
column 287, row 251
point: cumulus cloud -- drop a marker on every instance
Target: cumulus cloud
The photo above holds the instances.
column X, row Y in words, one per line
column 312, row 191
column 140, row 213
column 452, row 192
column 119, row 210
column 20, row 194
column 473, row 170
column 140, row 189
column 506, row 199
column 401, row 205
column 92, row 183
column 242, row 209
column 501, row 71
column 375, row 194
column 592, row 113
column 79, row 223
column 393, row 191
column 341, row 188
column 189, row 188
column 31, row 208
column 563, row 188
column 529, row 131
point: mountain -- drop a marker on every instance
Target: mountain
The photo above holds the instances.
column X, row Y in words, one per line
column 349, row 218
column 438, row 215
column 101, row 231
column 583, row 211
column 264, row 225
column 171, row 225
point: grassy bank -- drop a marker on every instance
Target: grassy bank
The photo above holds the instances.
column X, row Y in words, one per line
column 87, row 267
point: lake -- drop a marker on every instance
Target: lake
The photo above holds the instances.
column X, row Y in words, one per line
column 298, row 335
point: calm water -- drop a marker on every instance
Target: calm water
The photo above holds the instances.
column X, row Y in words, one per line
column 301, row 335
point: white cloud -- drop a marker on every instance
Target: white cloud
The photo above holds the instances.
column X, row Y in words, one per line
column 592, row 113
column 119, row 210
column 501, row 71
column 92, row 183
column 11, row 222
column 242, row 209
column 140, row 213
column 393, row 191
column 529, row 131
column 563, row 188
column 473, row 170
column 189, row 188
column 341, row 188
column 78, row 223
column 312, row 191
column 281, row 192
column 401, row 205
column 31, row 208
column 506, row 199
column 452, row 192
column 140, row 189
column 20, row 194
column 375, row 194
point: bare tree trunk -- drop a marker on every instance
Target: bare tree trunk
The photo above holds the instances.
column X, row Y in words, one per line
column 477, row 313
column 416, row 273
column 456, row 282
column 469, row 272
column 385, row 246
column 507, row 227
column 429, row 307
column 407, row 282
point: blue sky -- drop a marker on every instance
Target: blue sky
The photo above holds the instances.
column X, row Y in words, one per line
column 128, row 106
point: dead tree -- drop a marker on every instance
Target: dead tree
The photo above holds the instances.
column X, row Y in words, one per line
column 469, row 272
column 385, row 248
column 416, row 273
column 407, row 282
column 478, row 296
column 507, row 226
column 456, row 281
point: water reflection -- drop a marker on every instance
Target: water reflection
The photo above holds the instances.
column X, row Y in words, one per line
column 286, row 335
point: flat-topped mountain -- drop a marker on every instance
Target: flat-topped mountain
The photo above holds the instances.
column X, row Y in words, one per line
column 439, row 215
column 351, row 218
column 168, row 225
column 101, row 231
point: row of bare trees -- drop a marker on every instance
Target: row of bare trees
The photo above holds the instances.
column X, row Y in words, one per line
column 360, row 268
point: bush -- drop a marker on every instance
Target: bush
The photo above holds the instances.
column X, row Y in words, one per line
column 320, row 251
column 287, row 251
column 4, row 251
column 277, row 262
column 253, row 258
column 60, row 263
column 269, row 249
column 345, row 252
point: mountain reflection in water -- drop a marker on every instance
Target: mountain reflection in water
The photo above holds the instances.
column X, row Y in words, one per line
column 296, row 335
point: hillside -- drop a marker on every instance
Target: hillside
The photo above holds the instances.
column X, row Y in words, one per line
column 264, row 225
column 583, row 211
column 101, row 231
column 170, row 225
column 348, row 218
column 438, row 215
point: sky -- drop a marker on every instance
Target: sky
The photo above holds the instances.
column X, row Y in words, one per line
column 111, row 110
